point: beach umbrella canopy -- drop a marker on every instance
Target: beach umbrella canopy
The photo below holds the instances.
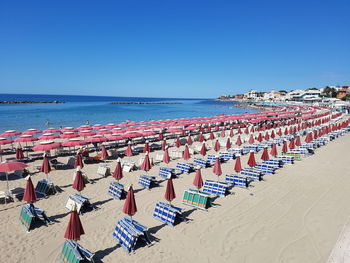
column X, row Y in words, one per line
column 203, row 150
column 239, row 141
column 189, row 140
column 29, row 193
column 228, row 143
column 51, row 130
column 129, row 207
column 48, row 136
column 118, row 171
column 26, row 138
column 265, row 155
column 31, row 132
column 251, row 139
column 104, row 132
column 4, row 141
column 74, row 142
column 79, row 183
column 166, row 157
column 96, row 138
column 46, row 146
column 19, row 154
column 178, row 142
column 79, row 161
column 285, row 147
column 186, row 153
column 146, row 164
column 45, row 166
column 68, row 129
column 238, row 166
column 251, row 161
column 169, row 191
column 146, row 148
column 273, row 151
column 104, row 154
column 128, row 151
column 217, row 167
column 9, row 166
column 198, row 181
column 84, row 128
column 69, row 135
column 86, row 133
column 74, row 229
column 10, row 133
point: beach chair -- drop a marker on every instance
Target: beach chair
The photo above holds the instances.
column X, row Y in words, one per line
column 252, row 174
column 237, row 180
column 215, row 188
column 184, row 168
column 129, row 233
column 5, row 196
column 284, row 159
column 166, row 172
column 202, row 163
column 72, row 252
column 30, row 216
column 79, row 201
column 116, row 190
column 275, row 163
column 167, row 213
column 235, row 151
column 159, row 157
column 226, row 156
column 16, row 193
column 175, row 154
column 147, row 181
column 103, row 170
column 265, row 168
column 211, row 158
column 197, row 199
column 295, row 155
column 44, row 188
column 128, row 166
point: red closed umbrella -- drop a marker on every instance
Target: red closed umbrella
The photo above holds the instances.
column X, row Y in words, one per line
column 169, row 192
column 201, row 137
column 78, row 161
column 29, row 194
column 267, row 137
column 222, row 133
column 74, row 229
column 297, row 141
column 146, row 165
column 246, row 131
column 146, row 148
column 186, row 153
column 231, row 133
column 238, row 166
column 45, row 167
column 104, row 154
column 161, row 136
column 178, row 142
column 217, row 146
column 273, row 151
column 239, row 141
column 164, row 145
column 198, row 181
column 189, row 140
column 166, row 157
column 129, row 207
column 217, row 167
column 19, row 154
column 273, row 134
column 284, row 147
column 251, row 161
column 118, row 171
column 251, row 139
column 279, row 132
column 265, row 155
column 79, row 183
column 292, row 144
column 259, row 139
column 128, row 151
column 228, row 143
column 211, row 136
column 239, row 131
column 203, row 150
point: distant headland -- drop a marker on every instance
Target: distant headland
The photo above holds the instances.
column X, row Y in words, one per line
column 29, row 102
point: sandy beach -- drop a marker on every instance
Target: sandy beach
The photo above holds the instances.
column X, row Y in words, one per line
column 296, row 215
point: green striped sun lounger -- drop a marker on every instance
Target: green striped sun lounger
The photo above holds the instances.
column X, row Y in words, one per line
column 72, row 252
column 197, row 199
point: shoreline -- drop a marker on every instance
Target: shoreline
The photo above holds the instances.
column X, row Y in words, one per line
column 133, row 103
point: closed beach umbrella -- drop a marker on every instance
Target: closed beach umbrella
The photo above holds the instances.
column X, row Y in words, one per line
column 189, row 140
column 284, row 147
column 279, row 132
column 228, row 143
column 217, row 146
column 246, row 130
column 211, row 136
column 186, row 153
column 231, row 133
column 169, row 191
column 251, row 161
column 104, row 154
column 238, row 166
column 286, row 131
column 203, row 150
column 217, row 167
column 273, row 134
column 259, row 139
column 164, row 145
column 239, row 141
column 79, row 183
column 267, row 137
column 166, row 157
column 29, row 193
column 273, row 151
column 146, row 165
column 239, row 131
column 297, row 141
column 201, row 137
column 74, row 229
column 178, row 142
column 251, row 139
column 19, row 153
column 222, row 133
column 292, row 144
column 146, row 148
column 265, row 155
column 118, row 171
column 161, row 136
column 198, row 181
column 129, row 207
column 128, row 151
column 45, row 166
column 79, row 161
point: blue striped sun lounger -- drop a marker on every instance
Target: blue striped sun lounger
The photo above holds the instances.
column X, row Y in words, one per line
column 237, row 180
column 167, row 213
column 284, row 159
column 147, row 181
column 275, row 163
column 30, row 216
column 166, row 172
column 252, row 174
column 211, row 158
column 129, row 232
column 235, row 151
column 202, row 163
column 116, row 190
column 215, row 188
column 226, row 156
column 184, row 167
column 265, row 169
column 72, row 252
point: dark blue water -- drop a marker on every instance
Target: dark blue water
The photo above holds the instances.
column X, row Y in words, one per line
column 78, row 109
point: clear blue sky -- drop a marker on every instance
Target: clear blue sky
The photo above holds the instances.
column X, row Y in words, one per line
column 172, row 48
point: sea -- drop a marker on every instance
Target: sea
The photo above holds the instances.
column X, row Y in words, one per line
column 78, row 110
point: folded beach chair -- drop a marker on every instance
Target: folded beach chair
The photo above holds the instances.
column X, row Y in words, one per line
column 129, row 233
column 128, row 166
column 284, row 159
column 159, row 157
column 211, row 158
column 197, row 199
column 184, row 168
column 72, row 252
column 237, row 180
column 31, row 216
column 215, row 188
column 5, row 196
column 103, row 170
column 44, row 188
column 147, row 181
column 252, row 174
column 16, row 193
column 202, row 163
column 265, row 168
column 81, row 203
column 116, row 190
column 175, row 154
column 247, row 148
column 235, row 151
column 296, row 155
column 275, row 163
column 166, row 172
column 167, row 213
column 226, row 156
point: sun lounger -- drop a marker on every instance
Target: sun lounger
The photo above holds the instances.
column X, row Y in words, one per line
column 211, row 158
column 202, row 163
column 103, row 170
column 295, row 155
column 247, row 148
column 252, row 174
column 226, row 156
column 16, row 193
column 237, row 180
column 116, row 190
column 31, row 215
column 184, row 168
column 44, row 188
column 5, row 196
column 275, row 163
column 284, row 159
column 147, row 181
column 175, row 154
column 265, row 168
column 166, row 172
column 72, row 252
column 197, row 199
column 167, row 213
column 235, row 151
column 129, row 233
column 81, row 203
column 159, row 157
column 215, row 188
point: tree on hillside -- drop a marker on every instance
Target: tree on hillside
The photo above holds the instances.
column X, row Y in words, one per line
column 330, row 92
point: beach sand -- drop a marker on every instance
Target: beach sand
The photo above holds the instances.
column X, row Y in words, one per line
column 295, row 215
